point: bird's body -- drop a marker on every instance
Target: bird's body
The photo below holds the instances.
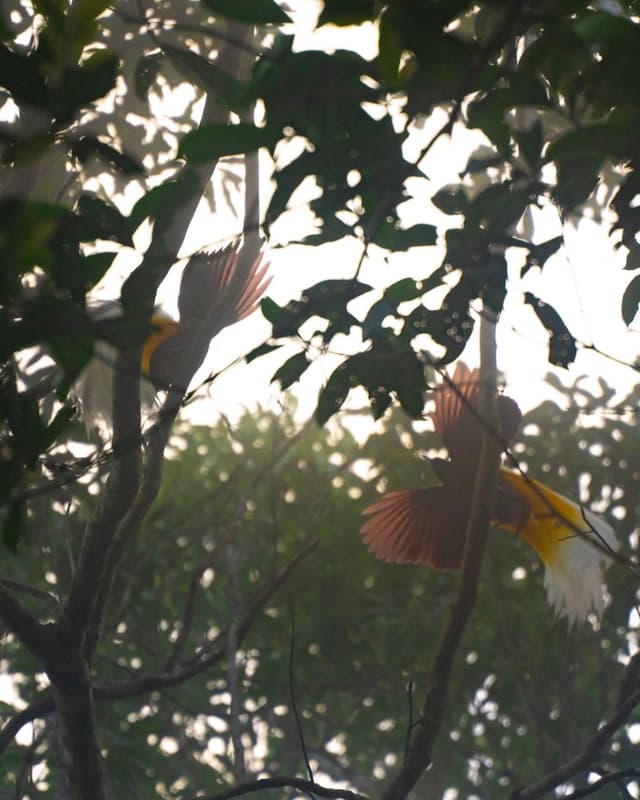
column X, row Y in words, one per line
column 428, row 525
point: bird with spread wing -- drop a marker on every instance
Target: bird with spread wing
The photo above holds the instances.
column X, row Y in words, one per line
column 216, row 290
column 428, row 525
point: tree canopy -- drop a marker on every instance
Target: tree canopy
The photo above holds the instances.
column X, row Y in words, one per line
column 226, row 622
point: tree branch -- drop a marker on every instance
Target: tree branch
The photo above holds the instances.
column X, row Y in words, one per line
column 585, row 758
column 187, row 612
column 120, row 508
column 426, row 729
column 610, row 777
column 282, row 782
column 73, row 696
column 117, row 498
column 24, row 626
column 27, row 588
column 39, row 708
column 169, row 231
column 108, row 691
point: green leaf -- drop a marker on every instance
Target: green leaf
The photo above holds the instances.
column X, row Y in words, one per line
column 212, row 142
column 489, row 20
column 450, row 327
column 396, row 239
column 287, row 180
column 271, row 311
column 539, row 254
column 256, row 12
column 93, row 267
column 593, row 141
column 261, row 350
column 19, row 74
column 332, row 230
column 327, row 299
column 26, row 233
column 488, row 114
column 403, row 290
column 347, row 12
column 205, row 74
column 577, row 179
column 390, row 45
column 389, row 367
column 58, row 425
column 161, row 199
column 99, row 220
column 499, row 206
column 451, row 200
column 15, row 525
column 333, row 393
column 146, row 73
column 530, row 142
column 84, row 11
column 562, row 345
column 71, row 353
column 81, row 86
column 631, row 300
column 632, row 261
column 324, row 296
column 88, row 146
column 291, row 370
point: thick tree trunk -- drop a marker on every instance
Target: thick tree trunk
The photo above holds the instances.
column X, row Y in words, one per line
column 79, row 749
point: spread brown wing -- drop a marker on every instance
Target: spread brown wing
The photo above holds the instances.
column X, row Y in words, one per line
column 428, row 526
column 256, row 285
column 453, row 418
column 214, row 293
column 418, row 526
column 456, row 421
column 212, row 290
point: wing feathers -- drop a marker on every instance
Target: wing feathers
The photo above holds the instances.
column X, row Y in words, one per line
column 214, row 293
column 416, row 526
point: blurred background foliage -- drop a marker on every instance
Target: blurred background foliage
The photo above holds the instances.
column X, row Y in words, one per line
column 239, row 503
column 89, row 152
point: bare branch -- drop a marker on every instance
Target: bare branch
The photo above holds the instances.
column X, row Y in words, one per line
column 585, row 758
column 27, row 588
column 108, row 691
column 254, row 608
column 283, row 782
column 39, row 708
column 24, row 626
column 611, row 777
column 116, row 499
column 187, row 613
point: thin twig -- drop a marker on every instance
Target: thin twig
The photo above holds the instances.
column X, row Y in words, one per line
column 292, row 694
column 234, row 684
column 187, row 613
column 410, row 722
